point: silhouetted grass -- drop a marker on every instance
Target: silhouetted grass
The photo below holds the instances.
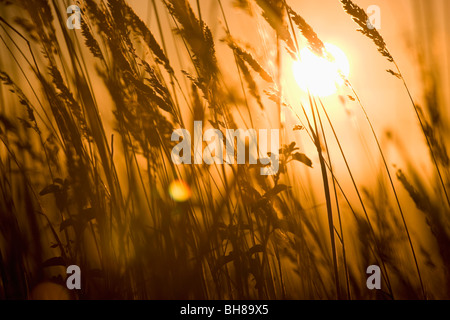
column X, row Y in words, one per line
column 80, row 188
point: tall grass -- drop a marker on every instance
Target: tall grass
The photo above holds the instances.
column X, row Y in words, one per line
column 85, row 162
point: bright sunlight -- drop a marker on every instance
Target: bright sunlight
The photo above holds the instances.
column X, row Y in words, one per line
column 321, row 76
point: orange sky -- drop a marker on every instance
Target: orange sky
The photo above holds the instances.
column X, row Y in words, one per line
column 383, row 95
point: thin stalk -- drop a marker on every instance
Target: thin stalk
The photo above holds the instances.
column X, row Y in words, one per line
column 328, row 199
column 341, row 237
column 358, row 194
column 422, row 126
column 394, row 191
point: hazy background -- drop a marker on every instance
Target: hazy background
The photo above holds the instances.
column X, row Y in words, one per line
column 417, row 35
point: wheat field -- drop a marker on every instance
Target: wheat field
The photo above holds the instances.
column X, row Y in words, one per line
column 89, row 110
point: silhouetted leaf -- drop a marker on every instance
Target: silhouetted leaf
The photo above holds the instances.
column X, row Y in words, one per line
column 302, row 158
column 52, row 188
column 395, row 74
column 67, row 223
column 55, row 261
column 292, row 146
column 255, row 249
column 59, row 181
column 225, row 259
column 288, row 149
column 275, row 190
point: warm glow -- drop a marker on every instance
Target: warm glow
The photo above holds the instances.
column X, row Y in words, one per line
column 180, row 191
column 321, row 76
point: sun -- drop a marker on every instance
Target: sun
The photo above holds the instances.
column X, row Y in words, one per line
column 318, row 75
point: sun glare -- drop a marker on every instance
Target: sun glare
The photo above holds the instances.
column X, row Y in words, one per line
column 321, row 76
column 179, row 191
